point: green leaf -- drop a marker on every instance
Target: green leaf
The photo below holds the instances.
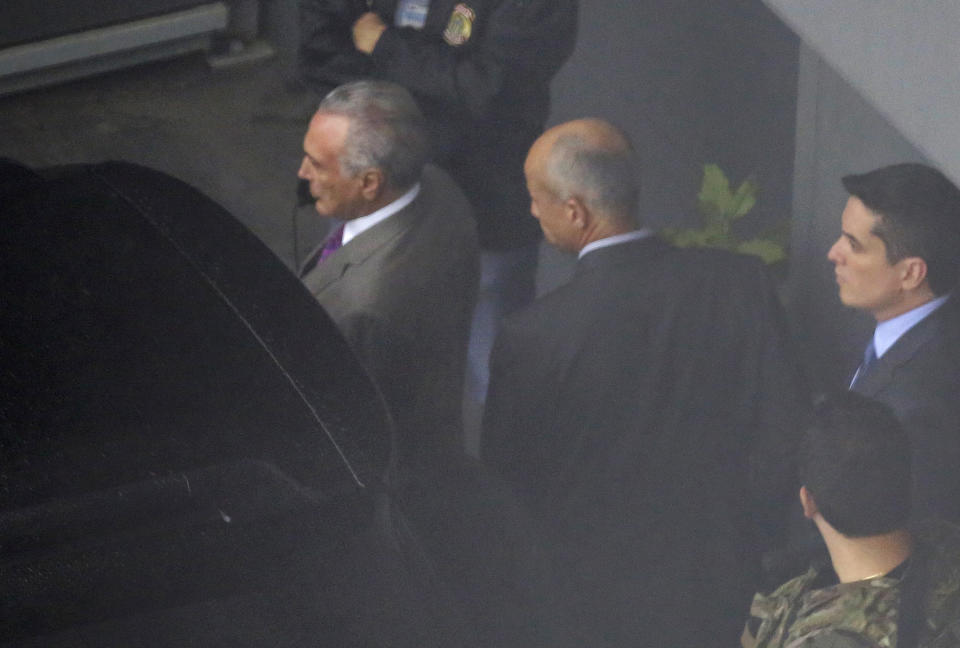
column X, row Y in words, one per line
column 769, row 251
column 714, row 197
column 743, row 200
column 720, row 208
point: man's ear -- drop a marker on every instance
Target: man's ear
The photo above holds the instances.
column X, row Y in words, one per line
column 913, row 272
column 373, row 182
column 808, row 503
column 577, row 212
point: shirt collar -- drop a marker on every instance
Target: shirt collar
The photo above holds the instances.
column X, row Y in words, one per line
column 888, row 332
column 616, row 239
column 355, row 227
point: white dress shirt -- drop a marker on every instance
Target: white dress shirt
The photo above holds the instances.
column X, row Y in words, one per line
column 357, row 226
column 616, row 239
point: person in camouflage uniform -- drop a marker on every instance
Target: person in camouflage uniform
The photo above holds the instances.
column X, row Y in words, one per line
column 886, row 585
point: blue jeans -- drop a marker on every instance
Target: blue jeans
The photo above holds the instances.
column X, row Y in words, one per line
column 507, row 283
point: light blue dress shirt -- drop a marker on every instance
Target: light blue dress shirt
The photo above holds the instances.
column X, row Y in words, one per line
column 887, row 333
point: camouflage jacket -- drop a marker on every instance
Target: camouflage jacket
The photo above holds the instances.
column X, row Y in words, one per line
column 864, row 613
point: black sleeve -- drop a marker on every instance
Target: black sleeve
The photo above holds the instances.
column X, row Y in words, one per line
column 519, row 39
column 327, row 56
column 782, row 410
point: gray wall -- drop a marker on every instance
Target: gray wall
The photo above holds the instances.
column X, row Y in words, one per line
column 838, row 132
column 692, row 81
column 903, row 57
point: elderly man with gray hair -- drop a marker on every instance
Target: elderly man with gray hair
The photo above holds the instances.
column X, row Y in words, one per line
column 399, row 274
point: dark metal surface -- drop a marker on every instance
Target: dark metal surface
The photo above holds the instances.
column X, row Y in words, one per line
column 138, row 315
column 179, row 420
column 25, row 20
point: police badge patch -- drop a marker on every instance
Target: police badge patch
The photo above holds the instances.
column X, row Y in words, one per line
column 460, row 26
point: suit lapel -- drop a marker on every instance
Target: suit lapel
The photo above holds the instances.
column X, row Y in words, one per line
column 362, row 247
column 878, row 375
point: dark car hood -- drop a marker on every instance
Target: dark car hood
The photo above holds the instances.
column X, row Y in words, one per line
column 178, row 416
column 144, row 322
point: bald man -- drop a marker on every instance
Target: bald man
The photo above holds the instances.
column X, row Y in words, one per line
column 642, row 409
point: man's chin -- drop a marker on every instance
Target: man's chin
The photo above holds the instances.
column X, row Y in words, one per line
column 321, row 212
column 850, row 301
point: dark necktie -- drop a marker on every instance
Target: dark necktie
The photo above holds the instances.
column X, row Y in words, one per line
column 869, row 357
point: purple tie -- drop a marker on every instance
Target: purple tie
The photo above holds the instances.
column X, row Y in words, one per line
column 332, row 245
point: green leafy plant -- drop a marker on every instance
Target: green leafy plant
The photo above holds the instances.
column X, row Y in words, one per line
column 721, row 207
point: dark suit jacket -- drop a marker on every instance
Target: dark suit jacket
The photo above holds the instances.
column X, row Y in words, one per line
column 919, row 378
column 403, row 293
column 628, row 408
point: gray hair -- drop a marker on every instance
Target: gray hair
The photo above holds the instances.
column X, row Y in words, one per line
column 387, row 130
column 600, row 167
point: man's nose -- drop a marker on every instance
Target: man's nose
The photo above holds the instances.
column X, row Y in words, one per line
column 302, row 171
column 833, row 254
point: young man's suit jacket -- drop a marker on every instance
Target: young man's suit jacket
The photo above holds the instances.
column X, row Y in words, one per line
column 403, row 293
column 919, row 378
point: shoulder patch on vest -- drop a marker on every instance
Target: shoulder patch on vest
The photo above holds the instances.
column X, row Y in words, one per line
column 460, row 26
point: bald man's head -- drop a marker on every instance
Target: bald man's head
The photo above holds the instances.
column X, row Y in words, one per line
column 592, row 160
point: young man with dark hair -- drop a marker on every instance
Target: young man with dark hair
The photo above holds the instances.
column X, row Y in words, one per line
column 898, row 259
column 888, row 586
column 853, row 464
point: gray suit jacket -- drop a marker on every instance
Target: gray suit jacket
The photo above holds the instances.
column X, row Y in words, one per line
column 919, row 378
column 403, row 293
